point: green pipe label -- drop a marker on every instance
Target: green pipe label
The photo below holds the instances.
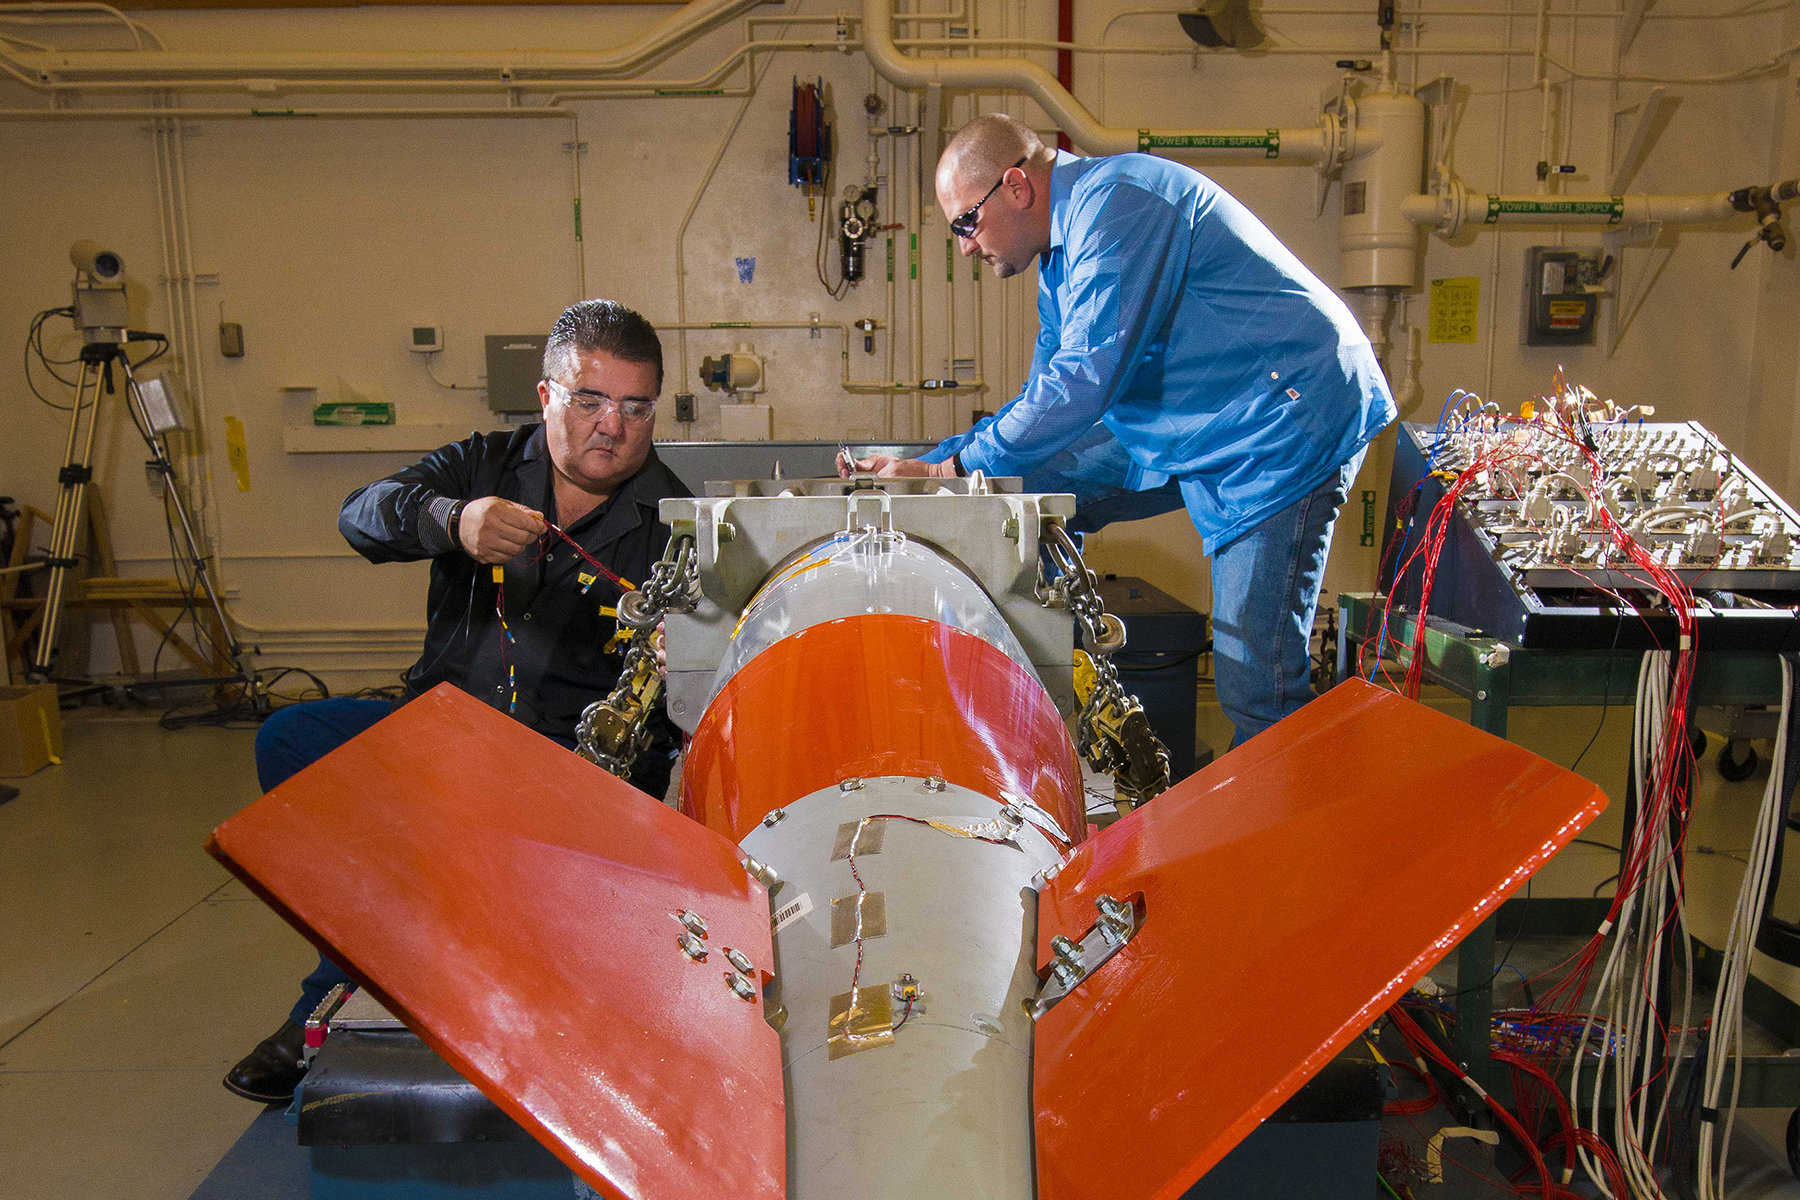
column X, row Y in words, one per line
column 975, row 265
column 912, row 255
column 1269, row 142
column 728, row 325
column 690, row 91
column 578, row 218
column 949, row 261
column 278, row 112
column 890, row 277
column 1612, row 208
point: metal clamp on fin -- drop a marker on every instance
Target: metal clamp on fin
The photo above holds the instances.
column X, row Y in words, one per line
column 318, row 1022
column 1073, row 962
column 1113, row 733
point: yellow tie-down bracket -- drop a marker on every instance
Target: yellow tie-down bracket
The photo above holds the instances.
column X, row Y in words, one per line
column 1115, row 736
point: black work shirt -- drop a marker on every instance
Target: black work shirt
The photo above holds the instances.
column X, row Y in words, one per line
column 558, row 652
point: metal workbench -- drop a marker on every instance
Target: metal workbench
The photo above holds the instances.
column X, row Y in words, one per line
column 1495, row 677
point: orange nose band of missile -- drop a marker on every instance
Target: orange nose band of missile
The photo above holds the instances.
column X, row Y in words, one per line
column 878, row 695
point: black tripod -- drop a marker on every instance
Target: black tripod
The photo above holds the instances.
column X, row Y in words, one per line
column 99, row 361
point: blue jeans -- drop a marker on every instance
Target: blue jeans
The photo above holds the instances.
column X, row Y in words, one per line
column 292, row 739
column 1265, row 595
column 1265, row 584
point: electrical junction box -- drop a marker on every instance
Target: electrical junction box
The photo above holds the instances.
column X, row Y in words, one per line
column 515, row 363
column 426, row 339
column 1562, row 295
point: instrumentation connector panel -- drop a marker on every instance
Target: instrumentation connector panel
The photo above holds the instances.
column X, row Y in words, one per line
column 1562, row 521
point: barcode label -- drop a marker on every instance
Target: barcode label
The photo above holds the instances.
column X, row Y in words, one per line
column 790, row 912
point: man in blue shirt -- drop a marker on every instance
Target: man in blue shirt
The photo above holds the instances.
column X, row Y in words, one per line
column 1185, row 357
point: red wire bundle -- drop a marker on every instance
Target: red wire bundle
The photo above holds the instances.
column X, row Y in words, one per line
column 1664, row 804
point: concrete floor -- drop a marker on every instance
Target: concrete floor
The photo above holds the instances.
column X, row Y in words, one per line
column 133, row 971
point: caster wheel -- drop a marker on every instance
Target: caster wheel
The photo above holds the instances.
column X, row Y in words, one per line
column 1734, row 768
column 1793, row 1143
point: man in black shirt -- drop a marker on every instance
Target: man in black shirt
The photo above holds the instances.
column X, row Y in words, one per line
column 529, row 533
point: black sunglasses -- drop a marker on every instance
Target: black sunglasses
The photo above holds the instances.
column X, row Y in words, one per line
column 964, row 226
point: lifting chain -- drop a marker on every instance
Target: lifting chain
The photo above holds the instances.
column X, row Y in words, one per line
column 1112, row 732
column 614, row 731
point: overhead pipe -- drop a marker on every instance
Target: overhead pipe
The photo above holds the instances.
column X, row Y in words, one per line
column 1315, row 144
column 1065, row 59
column 64, row 67
column 272, row 114
column 1457, row 205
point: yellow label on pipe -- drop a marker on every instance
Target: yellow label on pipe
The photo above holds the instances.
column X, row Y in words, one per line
column 236, row 453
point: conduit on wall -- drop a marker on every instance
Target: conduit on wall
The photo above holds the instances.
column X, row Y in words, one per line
column 1374, row 142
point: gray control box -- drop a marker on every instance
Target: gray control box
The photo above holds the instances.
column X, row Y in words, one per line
column 1562, row 295
column 515, row 363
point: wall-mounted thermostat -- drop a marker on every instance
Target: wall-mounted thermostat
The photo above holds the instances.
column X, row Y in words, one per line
column 427, row 339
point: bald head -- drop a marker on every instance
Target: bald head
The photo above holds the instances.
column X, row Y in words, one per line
column 987, row 146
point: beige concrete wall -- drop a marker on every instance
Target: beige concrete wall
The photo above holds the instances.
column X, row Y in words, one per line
column 328, row 238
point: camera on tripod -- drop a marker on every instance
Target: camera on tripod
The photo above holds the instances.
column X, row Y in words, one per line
column 102, row 310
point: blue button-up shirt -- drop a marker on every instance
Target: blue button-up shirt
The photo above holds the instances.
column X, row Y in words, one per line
column 1171, row 315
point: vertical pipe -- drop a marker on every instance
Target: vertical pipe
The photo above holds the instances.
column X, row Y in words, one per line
column 981, row 358
column 581, row 292
column 1065, row 59
column 916, row 284
column 1487, row 380
column 889, row 211
column 1609, row 313
column 211, row 524
column 1004, row 339
column 949, row 330
column 165, row 221
column 886, row 211
column 1568, row 114
column 1540, row 49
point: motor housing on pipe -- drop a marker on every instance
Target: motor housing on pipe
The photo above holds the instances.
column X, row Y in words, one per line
column 1378, row 243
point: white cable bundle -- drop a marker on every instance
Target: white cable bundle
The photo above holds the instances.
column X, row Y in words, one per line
column 1734, row 969
column 1626, row 991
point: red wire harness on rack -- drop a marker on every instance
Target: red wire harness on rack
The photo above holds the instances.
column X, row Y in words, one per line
column 1537, row 1044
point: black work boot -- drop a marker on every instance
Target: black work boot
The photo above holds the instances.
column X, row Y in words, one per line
column 270, row 1072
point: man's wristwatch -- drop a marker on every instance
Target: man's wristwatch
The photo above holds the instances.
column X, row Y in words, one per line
column 956, row 463
column 453, row 523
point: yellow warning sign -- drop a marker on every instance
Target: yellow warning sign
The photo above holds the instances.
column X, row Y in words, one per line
column 236, row 453
column 1455, row 307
